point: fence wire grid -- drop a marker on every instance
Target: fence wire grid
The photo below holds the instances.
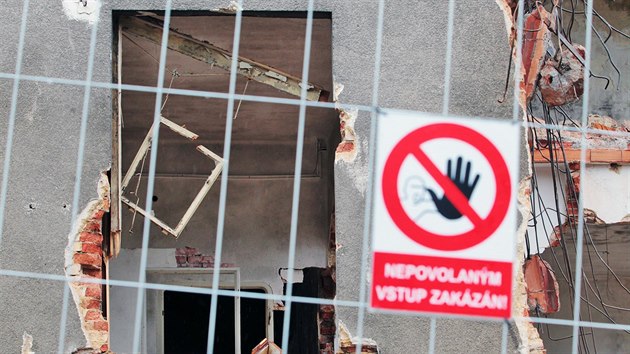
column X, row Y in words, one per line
column 232, row 98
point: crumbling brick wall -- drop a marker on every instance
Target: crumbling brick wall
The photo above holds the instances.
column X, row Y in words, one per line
column 327, row 329
column 189, row 257
column 84, row 260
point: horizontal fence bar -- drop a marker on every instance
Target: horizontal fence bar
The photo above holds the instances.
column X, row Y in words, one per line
column 277, row 100
column 298, row 299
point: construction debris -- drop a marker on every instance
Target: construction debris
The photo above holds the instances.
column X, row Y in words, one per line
column 543, row 294
column 562, row 78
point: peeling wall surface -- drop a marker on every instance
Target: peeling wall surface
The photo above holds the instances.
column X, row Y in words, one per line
column 47, row 128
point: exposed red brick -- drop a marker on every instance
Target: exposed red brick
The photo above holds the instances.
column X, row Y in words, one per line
column 98, row 215
column 92, row 315
column 325, row 340
column 88, row 260
column 91, row 237
column 91, row 248
column 99, row 325
column 86, row 251
column 326, row 308
column 327, row 348
column 542, row 287
column 96, row 273
column 186, row 251
column 345, row 146
column 365, row 348
column 556, row 236
column 180, row 259
column 195, row 259
column 88, row 303
column 326, row 315
column 94, row 226
column 327, row 327
column 327, row 330
column 94, row 291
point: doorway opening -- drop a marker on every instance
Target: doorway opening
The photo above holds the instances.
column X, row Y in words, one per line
column 186, row 190
column 186, row 318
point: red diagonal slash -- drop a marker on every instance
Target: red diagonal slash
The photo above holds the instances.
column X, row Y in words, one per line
column 454, row 195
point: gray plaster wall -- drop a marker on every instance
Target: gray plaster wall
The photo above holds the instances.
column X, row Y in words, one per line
column 414, row 39
column 48, row 116
column 43, row 164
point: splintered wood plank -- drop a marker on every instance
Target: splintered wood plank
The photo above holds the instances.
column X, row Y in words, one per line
column 151, row 29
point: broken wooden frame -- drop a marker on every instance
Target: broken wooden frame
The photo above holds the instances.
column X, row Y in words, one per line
column 144, row 148
column 151, row 29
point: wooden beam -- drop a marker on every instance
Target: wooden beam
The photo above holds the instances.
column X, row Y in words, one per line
column 593, row 156
column 571, row 155
column 151, row 29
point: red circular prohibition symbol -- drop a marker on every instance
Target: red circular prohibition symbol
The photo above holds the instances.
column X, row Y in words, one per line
column 482, row 227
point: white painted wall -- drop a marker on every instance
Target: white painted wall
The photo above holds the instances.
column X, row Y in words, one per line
column 607, row 191
column 544, row 199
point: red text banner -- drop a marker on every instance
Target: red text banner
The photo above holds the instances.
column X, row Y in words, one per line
column 440, row 284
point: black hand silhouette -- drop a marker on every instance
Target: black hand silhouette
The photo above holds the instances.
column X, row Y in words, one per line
column 444, row 205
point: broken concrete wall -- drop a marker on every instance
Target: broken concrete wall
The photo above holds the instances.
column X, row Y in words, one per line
column 42, row 172
column 48, row 122
column 412, row 78
column 611, row 101
column 84, row 261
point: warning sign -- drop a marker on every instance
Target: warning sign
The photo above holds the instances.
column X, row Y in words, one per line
column 443, row 222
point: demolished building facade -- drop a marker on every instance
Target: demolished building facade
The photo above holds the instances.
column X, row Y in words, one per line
column 101, row 237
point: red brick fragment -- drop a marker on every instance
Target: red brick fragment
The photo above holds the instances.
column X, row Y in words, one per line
column 327, row 308
column 91, row 237
column 93, row 226
column 542, row 288
column 186, row 251
column 327, row 330
column 104, row 348
column 88, row 260
column 89, row 303
column 91, row 248
column 326, row 315
column 98, row 215
column 562, row 81
column 96, row 273
column 195, row 259
column 99, row 325
column 345, row 146
column 93, row 315
column 93, row 290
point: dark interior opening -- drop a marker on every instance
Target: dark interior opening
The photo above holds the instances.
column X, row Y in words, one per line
column 186, row 318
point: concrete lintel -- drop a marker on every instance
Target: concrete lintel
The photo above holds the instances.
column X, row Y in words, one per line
column 151, row 29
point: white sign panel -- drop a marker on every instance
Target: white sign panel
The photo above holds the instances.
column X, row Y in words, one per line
column 444, row 214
